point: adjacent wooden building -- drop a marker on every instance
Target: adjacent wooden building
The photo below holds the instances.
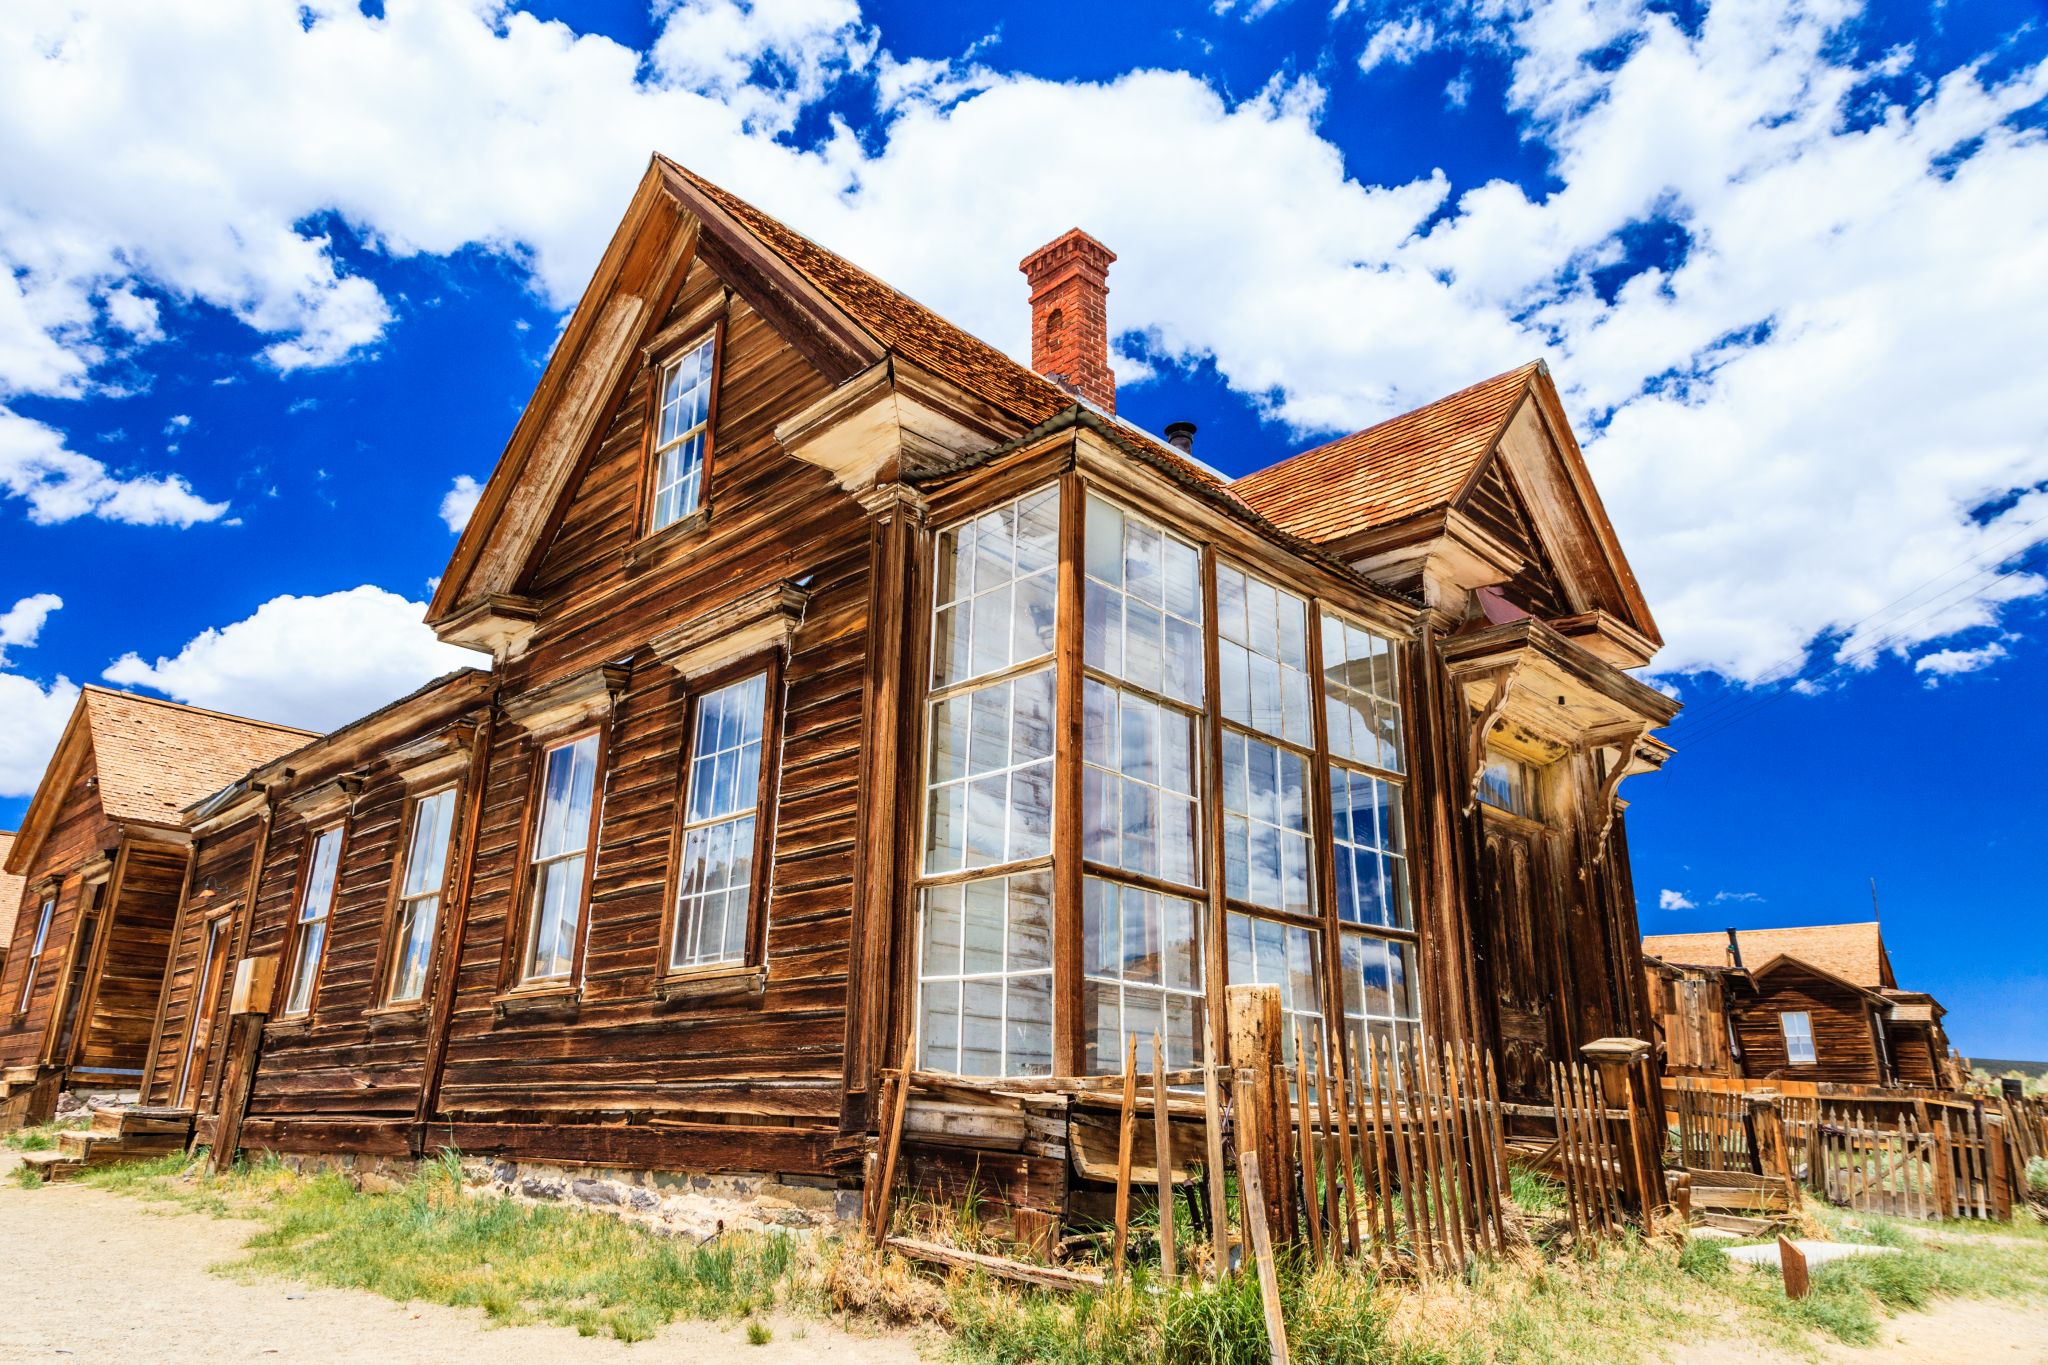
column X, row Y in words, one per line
column 1818, row 1003
column 102, row 857
column 852, row 683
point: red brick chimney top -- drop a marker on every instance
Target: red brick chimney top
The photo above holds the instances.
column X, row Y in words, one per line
column 1069, row 279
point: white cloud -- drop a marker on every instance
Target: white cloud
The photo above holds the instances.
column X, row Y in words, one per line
column 459, row 501
column 21, row 623
column 311, row 661
column 35, row 722
column 1792, row 414
column 1737, row 897
column 1947, row 663
column 180, row 422
column 1667, row 899
column 134, row 313
column 59, row 484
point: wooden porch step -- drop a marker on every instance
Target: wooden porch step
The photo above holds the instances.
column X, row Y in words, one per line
column 52, row 1165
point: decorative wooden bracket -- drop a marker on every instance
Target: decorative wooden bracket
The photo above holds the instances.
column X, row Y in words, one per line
column 1503, row 688
column 1624, row 746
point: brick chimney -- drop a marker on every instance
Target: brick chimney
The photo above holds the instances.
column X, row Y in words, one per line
column 1070, row 315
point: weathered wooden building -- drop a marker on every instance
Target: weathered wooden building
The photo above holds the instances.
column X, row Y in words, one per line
column 1818, row 1003
column 853, row 682
column 102, row 858
column 10, row 897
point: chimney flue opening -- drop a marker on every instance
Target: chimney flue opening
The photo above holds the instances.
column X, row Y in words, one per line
column 1181, row 435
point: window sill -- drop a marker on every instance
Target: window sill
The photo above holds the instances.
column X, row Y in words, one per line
column 396, row 1016
column 657, row 545
column 713, row 983
column 548, row 1001
column 298, row 1026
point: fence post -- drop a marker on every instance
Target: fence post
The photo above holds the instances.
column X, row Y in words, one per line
column 1767, row 1132
column 1616, row 1059
column 1254, row 1030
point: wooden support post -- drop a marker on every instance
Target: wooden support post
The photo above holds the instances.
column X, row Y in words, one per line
column 1162, row 1160
column 1259, row 1237
column 1341, row 1081
column 238, row 1080
column 1944, row 1167
column 892, row 1149
column 1616, row 1060
column 1126, row 1136
column 1999, row 1191
column 1767, row 1131
column 1311, row 1202
column 1213, row 1176
column 1255, row 1022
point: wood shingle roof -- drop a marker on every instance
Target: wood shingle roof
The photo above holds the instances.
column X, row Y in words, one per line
column 155, row 757
column 1854, row 952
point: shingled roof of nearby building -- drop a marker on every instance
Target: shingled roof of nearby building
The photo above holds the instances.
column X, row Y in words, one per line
column 10, row 891
column 155, row 757
column 1404, row 465
column 1854, row 952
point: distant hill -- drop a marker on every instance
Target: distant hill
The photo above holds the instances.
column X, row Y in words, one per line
column 2033, row 1071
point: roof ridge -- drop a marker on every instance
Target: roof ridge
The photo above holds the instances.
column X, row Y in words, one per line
column 190, row 709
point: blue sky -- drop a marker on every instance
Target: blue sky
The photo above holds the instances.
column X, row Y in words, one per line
column 281, row 278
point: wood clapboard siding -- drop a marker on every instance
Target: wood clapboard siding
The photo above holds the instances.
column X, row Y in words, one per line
column 1842, row 1039
column 80, row 832
column 623, row 1055
column 1498, row 510
column 220, row 874
column 137, row 923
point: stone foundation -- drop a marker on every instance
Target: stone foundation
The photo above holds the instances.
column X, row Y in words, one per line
column 669, row 1203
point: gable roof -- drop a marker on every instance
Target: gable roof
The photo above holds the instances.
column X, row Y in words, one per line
column 1406, row 464
column 11, row 888
column 151, row 757
column 843, row 318
column 1853, row 952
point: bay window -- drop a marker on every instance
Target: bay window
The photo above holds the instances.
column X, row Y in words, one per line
column 1277, row 770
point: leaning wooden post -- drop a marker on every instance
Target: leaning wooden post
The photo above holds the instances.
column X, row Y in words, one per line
column 1162, row 1159
column 1213, row 1174
column 1767, row 1130
column 892, row 1149
column 1616, row 1060
column 1998, row 1187
column 1255, row 1033
column 248, row 1010
column 1258, row 1235
column 1126, row 1137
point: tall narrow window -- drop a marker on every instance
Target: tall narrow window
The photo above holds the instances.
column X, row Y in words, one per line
column 1798, row 1028
column 682, row 425
column 715, row 891
column 1143, row 968
column 985, row 937
column 1369, row 839
column 35, row 955
column 309, row 935
column 561, row 844
column 419, row 895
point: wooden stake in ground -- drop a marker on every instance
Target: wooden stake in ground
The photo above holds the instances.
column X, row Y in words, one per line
column 1127, row 1134
column 1162, row 1159
column 1259, row 1236
column 1219, row 1197
column 1792, row 1262
column 1310, row 1197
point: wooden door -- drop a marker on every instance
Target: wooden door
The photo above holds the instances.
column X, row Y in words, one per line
column 1520, row 966
column 205, row 1004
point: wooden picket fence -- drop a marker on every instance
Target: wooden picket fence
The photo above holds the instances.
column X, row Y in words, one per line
column 1709, row 1130
column 1590, row 1156
column 2027, row 1121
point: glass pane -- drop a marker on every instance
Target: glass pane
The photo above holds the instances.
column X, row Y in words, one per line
column 415, row 948
column 426, row 859
column 985, row 976
column 306, row 967
column 1361, row 695
column 1144, row 603
column 996, row 598
column 1268, row 952
column 1266, row 849
column 991, row 795
column 1142, row 967
column 1138, row 785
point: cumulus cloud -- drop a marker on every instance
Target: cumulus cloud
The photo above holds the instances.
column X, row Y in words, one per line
column 21, row 623
column 316, row 662
column 60, row 484
column 1947, row 663
column 1667, row 899
column 1784, row 287
column 35, row 722
column 459, row 501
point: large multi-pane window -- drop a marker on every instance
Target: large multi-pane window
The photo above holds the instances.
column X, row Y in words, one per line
column 1143, row 952
column 561, row 845
column 715, row 892
column 1369, row 838
column 1281, row 775
column 419, row 895
column 682, row 425
column 985, row 961
column 35, row 955
column 309, row 933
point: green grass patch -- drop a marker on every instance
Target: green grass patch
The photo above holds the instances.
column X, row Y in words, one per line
column 42, row 1137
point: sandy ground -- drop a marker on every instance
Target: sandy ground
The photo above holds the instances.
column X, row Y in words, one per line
column 103, row 1277
column 1953, row 1332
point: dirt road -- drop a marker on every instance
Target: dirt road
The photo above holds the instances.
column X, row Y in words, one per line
column 102, row 1277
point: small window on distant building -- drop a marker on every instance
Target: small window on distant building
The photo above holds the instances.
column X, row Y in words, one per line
column 1798, row 1026
column 1509, row 784
column 682, row 429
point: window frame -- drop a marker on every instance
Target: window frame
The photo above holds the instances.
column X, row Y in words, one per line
column 1785, row 1033
column 518, row 944
column 295, row 926
column 45, row 916
column 754, row 958
column 393, row 946
column 658, row 364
